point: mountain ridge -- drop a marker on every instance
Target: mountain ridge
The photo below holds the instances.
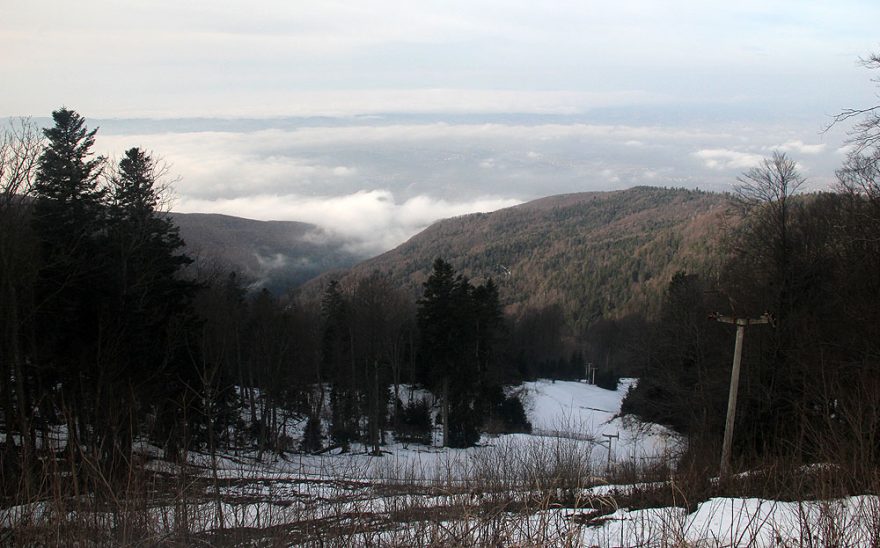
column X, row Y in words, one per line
column 277, row 255
column 595, row 254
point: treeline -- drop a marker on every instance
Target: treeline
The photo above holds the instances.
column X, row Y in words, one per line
column 96, row 321
column 811, row 380
column 363, row 362
column 112, row 338
column 589, row 255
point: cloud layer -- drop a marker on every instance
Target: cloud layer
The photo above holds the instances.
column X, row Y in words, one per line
column 378, row 181
column 372, row 221
column 373, row 119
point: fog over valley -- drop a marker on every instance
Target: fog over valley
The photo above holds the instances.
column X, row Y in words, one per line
column 378, row 180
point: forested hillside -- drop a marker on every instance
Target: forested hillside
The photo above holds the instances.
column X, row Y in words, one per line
column 809, row 263
column 277, row 255
column 109, row 341
column 595, row 255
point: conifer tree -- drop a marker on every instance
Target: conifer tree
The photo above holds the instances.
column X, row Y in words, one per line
column 448, row 334
column 69, row 196
column 338, row 366
column 437, row 330
column 68, row 214
column 112, row 311
column 148, row 309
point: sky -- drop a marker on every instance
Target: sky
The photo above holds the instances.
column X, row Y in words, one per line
column 373, row 119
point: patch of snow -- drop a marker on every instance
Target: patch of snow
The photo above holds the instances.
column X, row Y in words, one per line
column 588, row 412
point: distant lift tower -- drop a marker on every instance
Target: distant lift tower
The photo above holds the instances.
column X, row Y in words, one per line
column 610, row 437
column 741, row 324
column 590, row 372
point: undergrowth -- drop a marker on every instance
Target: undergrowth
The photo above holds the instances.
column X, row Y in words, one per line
column 547, row 492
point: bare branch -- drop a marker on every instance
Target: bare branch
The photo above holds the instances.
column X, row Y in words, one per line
column 21, row 143
column 865, row 134
column 773, row 181
column 848, row 113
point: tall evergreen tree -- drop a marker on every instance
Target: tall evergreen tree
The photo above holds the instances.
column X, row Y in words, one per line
column 338, row 366
column 446, row 323
column 148, row 309
column 112, row 310
column 437, row 334
column 69, row 195
column 68, row 215
column 145, row 243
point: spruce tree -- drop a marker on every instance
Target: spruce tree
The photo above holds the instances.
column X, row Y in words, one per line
column 148, row 309
column 338, row 366
column 146, row 244
column 446, row 323
column 69, row 196
column 68, row 215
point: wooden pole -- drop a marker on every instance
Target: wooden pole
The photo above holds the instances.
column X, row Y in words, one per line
column 741, row 324
column 731, row 400
column 444, row 411
column 610, row 436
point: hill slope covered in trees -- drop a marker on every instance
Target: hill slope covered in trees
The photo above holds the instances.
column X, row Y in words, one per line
column 277, row 255
column 597, row 254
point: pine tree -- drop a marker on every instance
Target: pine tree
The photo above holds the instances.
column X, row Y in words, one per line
column 489, row 325
column 148, row 310
column 68, row 215
column 446, row 323
column 338, row 366
column 69, row 196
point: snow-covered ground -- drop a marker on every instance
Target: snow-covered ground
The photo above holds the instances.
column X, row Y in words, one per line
column 544, row 488
column 585, row 411
column 721, row 522
column 568, row 414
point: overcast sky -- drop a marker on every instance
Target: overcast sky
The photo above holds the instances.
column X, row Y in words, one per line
column 375, row 118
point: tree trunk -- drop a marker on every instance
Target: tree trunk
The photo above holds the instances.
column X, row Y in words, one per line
column 445, row 411
column 375, row 427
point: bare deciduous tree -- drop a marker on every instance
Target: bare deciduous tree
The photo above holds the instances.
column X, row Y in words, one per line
column 772, row 182
column 860, row 170
column 764, row 193
column 865, row 135
column 20, row 146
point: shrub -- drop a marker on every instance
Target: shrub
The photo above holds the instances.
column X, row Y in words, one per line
column 414, row 424
column 504, row 414
column 312, row 436
column 513, row 415
column 463, row 425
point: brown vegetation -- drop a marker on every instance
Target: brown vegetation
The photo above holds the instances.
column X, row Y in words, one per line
column 602, row 254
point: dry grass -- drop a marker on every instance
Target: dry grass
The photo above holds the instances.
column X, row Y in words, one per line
column 544, row 493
